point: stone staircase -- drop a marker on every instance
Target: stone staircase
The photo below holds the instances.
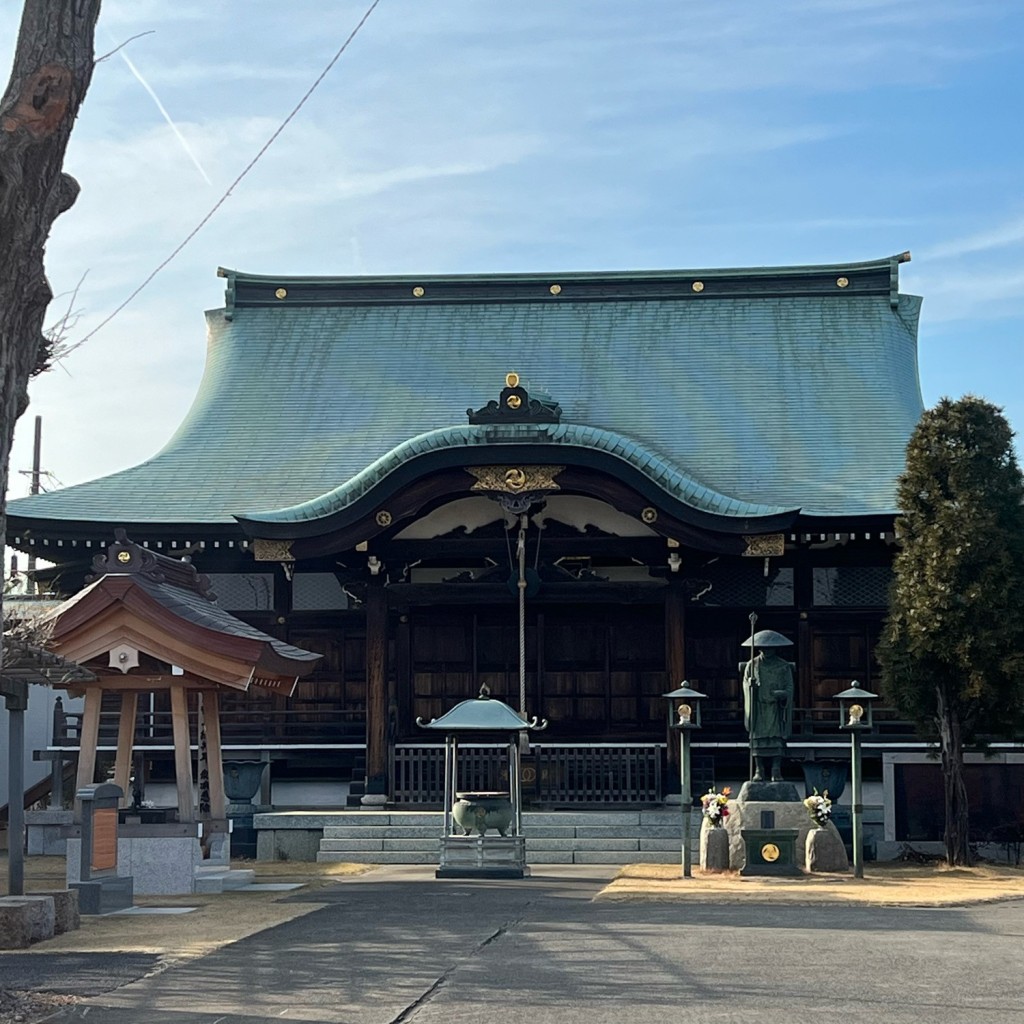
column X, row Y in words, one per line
column 554, row 837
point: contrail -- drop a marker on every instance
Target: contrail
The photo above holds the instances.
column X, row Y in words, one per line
column 167, row 117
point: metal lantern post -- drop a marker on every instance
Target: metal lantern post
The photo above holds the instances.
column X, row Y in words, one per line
column 855, row 717
column 684, row 715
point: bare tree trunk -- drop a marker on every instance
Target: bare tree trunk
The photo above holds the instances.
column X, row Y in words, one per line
column 53, row 64
column 956, row 834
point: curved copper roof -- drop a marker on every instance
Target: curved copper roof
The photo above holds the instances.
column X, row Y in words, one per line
column 777, row 388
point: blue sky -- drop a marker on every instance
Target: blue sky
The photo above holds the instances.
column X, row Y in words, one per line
column 471, row 136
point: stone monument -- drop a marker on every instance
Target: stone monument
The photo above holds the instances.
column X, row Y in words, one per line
column 100, row 888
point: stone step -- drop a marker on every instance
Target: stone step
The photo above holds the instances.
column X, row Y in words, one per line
column 212, row 880
column 537, row 857
column 530, row 830
column 383, row 831
column 381, row 857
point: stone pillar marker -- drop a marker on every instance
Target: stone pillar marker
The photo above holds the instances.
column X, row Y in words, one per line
column 100, row 889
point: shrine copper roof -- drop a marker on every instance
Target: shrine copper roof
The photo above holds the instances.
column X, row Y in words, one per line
column 165, row 607
column 740, row 392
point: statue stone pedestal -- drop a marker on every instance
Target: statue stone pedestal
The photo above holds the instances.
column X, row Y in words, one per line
column 766, row 805
column 714, row 849
column 768, row 793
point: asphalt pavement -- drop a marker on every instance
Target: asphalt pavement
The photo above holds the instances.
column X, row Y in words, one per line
column 396, row 945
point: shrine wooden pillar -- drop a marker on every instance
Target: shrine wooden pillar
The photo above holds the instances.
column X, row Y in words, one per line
column 675, row 649
column 125, row 742
column 377, row 781
column 182, row 754
column 214, row 753
column 88, row 739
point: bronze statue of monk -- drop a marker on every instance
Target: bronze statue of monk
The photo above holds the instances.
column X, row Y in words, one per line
column 767, row 703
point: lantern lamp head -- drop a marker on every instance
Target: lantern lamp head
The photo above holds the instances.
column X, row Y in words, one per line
column 855, row 708
column 685, row 703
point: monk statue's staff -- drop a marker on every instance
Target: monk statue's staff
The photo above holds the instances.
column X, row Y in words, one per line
column 755, row 682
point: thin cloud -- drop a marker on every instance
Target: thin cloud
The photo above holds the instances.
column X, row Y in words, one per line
column 1009, row 233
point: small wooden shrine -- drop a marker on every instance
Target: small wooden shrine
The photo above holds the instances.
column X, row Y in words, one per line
column 147, row 623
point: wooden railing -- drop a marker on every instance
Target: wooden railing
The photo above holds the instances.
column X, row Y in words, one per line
column 248, row 727
column 327, row 724
column 552, row 774
column 419, row 771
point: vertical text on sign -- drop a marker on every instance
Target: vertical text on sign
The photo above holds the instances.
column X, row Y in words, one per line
column 104, row 839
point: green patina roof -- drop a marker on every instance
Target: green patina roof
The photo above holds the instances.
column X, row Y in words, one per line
column 564, row 435
column 767, row 389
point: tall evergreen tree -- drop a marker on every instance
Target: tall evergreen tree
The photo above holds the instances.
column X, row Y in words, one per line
column 952, row 651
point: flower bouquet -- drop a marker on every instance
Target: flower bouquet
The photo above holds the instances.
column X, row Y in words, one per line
column 715, row 806
column 819, row 807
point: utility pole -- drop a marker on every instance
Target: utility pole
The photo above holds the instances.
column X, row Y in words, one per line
column 37, row 450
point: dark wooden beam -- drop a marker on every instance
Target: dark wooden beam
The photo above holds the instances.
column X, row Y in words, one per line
column 376, row 689
column 404, row 595
column 675, row 650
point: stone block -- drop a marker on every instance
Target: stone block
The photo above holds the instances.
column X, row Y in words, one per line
column 431, row 831
column 608, row 844
column 356, row 832
column 768, row 792
column 664, row 845
column 665, row 831
column 104, row 895
column 66, row 917
column 659, row 816
column 420, row 857
column 608, row 831
column 397, row 845
column 548, row 856
column 618, row 857
column 548, row 831
column 35, row 910
column 42, row 916
column 288, row 844
column 434, row 819
column 714, row 849
column 15, row 925
column 350, row 845
column 46, row 832
column 536, row 843
column 824, row 850
column 620, row 818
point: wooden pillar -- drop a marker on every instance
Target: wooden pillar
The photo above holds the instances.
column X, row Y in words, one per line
column 88, row 740
column 804, row 697
column 182, row 754
column 675, row 651
column 125, row 742
column 804, row 593
column 401, row 680
column 377, row 782
column 214, row 755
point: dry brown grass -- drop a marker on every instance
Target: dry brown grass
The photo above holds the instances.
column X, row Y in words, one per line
column 893, row 884
column 219, row 919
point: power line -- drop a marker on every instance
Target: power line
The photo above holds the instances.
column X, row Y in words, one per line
column 248, row 167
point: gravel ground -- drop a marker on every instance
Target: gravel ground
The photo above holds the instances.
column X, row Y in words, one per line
column 31, row 1007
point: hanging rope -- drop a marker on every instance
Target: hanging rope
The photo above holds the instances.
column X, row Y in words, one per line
column 248, row 167
column 521, row 553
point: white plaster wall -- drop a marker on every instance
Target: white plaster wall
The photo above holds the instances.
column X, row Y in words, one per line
column 38, row 732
